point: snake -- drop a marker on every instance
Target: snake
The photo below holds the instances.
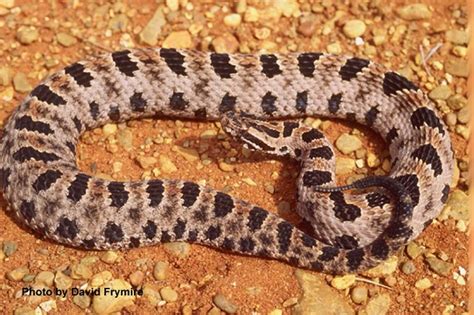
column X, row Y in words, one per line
column 260, row 100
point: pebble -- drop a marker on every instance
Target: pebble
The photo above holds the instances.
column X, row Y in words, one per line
column 189, row 154
column 225, row 167
column 136, row 278
column 276, row 312
column 83, row 301
column 173, row 5
column 354, row 28
column 146, row 162
column 99, row 279
column 45, row 277
column 65, row 39
column 457, row 37
column 344, row 165
column 20, row 83
column 458, row 203
column 168, row 294
column 440, row 267
column 107, row 304
column 160, row 270
column 308, row 25
column 7, row 3
column 379, row 305
column 47, row 306
column 463, row 115
column 5, row 76
column 359, row 294
column 318, row 295
column 251, row 15
column 461, row 226
column 441, row 92
column 225, row 43
column 249, row 181
column 9, row 248
column 451, row 119
column 178, row 39
column 17, row 274
column 179, row 249
column 233, row 20
column 387, row 267
column 457, row 67
column 166, row 165
column 151, row 294
column 125, row 139
column 423, row 284
column 109, row 257
column 80, row 271
column 25, row 310
column 152, row 30
column 414, row 250
column 334, row 48
column 457, row 101
column 460, row 51
column 109, row 129
column 416, row 11
column 224, row 304
column 372, row 160
column 62, row 281
column 343, row 282
column 27, row 35
column 408, row 267
column 347, row 143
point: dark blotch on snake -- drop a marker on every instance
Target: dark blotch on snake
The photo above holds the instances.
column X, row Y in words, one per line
column 270, row 65
column 137, row 102
column 428, row 154
column 78, row 187
column 256, row 217
column 316, row 178
column 118, row 194
column 174, row 60
column 268, row 103
column 333, row 103
column 43, row 93
column 190, row 192
column 177, row 101
column 284, row 232
column 393, row 82
column 113, row 233
column 311, row 135
column 352, row 67
column 223, row 204
column 67, row 228
column 323, row 152
column 76, row 71
column 150, row 229
column 301, row 101
column 45, row 180
column 227, row 103
column 124, row 63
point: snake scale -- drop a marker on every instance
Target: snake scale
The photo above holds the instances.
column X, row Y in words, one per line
column 255, row 96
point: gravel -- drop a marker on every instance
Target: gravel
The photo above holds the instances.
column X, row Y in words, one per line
column 359, row 294
column 408, row 267
column 107, row 303
column 152, row 30
column 20, row 83
column 354, row 28
column 168, row 294
column 347, row 143
column 417, row 11
column 179, row 39
column 9, row 248
column 224, row 304
column 160, row 270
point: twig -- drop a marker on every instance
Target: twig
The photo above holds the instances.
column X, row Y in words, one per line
column 374, row 283
column 430, row 54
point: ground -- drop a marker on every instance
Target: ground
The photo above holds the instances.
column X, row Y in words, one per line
column 427, row 277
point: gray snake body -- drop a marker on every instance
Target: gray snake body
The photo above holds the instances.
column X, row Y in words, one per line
column 40, row 180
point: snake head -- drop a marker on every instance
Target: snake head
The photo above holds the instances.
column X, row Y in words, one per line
column 256, row 134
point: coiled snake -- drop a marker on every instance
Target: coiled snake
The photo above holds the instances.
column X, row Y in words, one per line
column 40, row 180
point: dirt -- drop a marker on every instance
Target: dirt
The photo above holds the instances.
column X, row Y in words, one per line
column 254, row 284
